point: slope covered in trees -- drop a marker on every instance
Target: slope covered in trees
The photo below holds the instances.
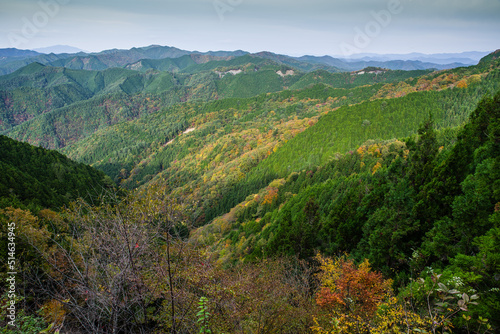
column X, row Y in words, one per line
column 343, row 129
column 404, row 205
column 37, row 89
column 38, row 178
column 234, row 147
column 347, row 203
column 362, row 202
column 105, row 59
column 41, row 97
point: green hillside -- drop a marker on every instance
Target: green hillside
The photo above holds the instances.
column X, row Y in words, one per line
column 108, row 58
column 355, row 79
column 305, row 66
column 166, row 64
column 33, row 92
column 92, row 82
column 254, row 196
column 402, row 204
column 346, row 128
column 238, row 62
column 34, row 177
column 11, row 65
column 22, row 104
column 63, row 126
column 139, row 148
column 343, row 129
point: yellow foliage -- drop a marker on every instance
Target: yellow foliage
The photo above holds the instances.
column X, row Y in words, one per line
column 27, row 227
column 270, row 196
column 474, row 78
column 276, row 183
column 54, row 312
column 394, row 318
column 329, row 270
column 374, row 150
column 360, row 151
column 376, row 167
column 341, row 323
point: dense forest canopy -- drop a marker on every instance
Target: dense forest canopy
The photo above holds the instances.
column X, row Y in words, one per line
column 33, row 177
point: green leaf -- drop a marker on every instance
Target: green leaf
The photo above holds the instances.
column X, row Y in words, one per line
column 443, row 287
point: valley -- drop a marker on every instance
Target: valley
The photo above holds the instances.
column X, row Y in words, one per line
column 190, row 175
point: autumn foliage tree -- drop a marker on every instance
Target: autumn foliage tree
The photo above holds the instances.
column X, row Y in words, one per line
column 98, row 262
column 350, row 293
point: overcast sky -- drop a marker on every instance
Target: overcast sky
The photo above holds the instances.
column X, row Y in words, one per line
column 293, row 27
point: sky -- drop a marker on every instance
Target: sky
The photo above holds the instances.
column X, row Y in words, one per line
column 292, row 27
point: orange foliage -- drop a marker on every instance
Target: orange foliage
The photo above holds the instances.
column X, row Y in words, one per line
column 361, row 151
column 376, row 167
column 350, row 288
column 271, row 196
column 462, row 83
column 326, row 298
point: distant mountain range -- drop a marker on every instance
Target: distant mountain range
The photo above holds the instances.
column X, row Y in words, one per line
column 471, row 57
column 149, row 58
column 468, row 57
column 354, row 65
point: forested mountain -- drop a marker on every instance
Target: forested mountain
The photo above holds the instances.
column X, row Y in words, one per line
column 141, row 132
column 36, row 178
column 39, row 96
column 10, row 54
column 12, row 60
column 137, row 151
column 9, row 64
column 108, row 58
column 401, row 204
column 258, row 194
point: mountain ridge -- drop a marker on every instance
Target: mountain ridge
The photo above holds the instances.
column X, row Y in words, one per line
column 125, row 57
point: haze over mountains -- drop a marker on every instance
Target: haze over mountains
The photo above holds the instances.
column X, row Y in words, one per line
column 12, row 59
column 469, row 58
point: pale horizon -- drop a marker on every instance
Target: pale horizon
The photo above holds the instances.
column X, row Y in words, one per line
column 364, row 54
column 316, row 27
